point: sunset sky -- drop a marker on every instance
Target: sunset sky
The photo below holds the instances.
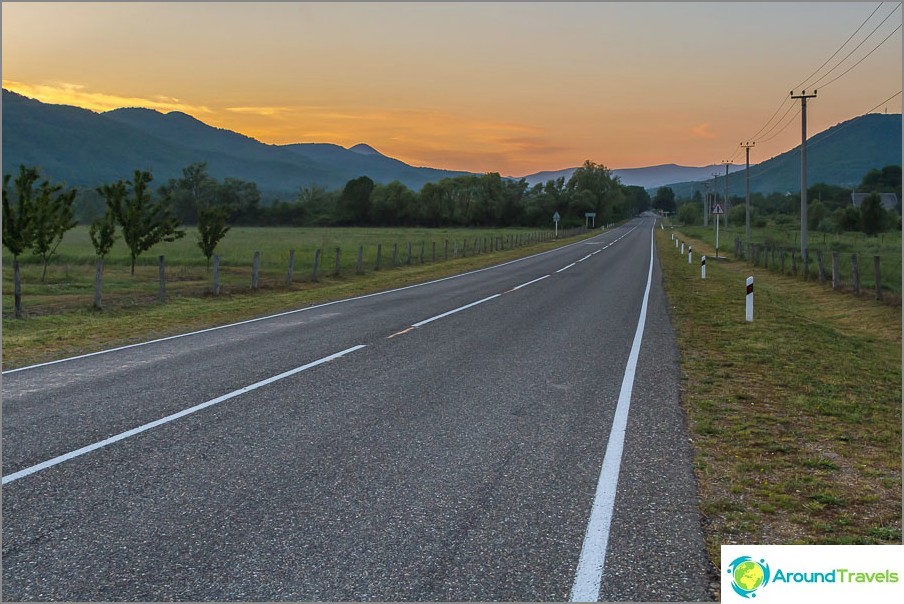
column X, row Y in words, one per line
column 512, row 87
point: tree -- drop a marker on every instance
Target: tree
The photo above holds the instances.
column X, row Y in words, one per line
column 17, row 229
column 872, row 215
column 193, row 191
column 354, row 203
column 52, row 216
column 664, row 199
column 103, row 235
column 144, row 223
column 690, row 213
column 211, row 229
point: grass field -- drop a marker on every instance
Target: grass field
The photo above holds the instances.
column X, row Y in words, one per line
column 70, row 279
column 885, row 245
column 61, row 323
column 795, row 417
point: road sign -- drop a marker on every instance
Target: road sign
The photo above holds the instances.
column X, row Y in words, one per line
column 556, row 217
column 718, row 209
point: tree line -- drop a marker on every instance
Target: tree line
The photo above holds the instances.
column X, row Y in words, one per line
column 36, row 216
column 829, row 207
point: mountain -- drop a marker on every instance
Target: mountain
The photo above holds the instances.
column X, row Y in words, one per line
column 840, row 155
column 83, row 148
column 79, row 147
column 650, row 177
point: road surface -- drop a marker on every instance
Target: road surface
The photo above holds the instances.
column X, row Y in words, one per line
column 438, row 442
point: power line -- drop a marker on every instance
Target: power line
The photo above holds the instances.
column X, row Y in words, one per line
column 790, row 107
column 784, row 100
column 823, row 76
column 864, row 58
column 788, row 123
column 801, row 85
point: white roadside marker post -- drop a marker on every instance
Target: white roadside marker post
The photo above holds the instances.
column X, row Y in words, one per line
column 682, row 248
column 690, row 255
column 749, row 299
column 703, row 268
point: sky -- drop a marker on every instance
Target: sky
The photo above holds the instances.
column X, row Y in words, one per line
column 508, row 87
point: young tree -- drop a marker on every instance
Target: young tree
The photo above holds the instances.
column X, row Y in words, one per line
column 17, row 230
column 354, row 203
column 144, row 223
column 51, row 217
column 103, row 235
column 211, row 229
column 872, row 215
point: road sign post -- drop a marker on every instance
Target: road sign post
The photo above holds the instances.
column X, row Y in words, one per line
column 555, row 219
column 717, row 211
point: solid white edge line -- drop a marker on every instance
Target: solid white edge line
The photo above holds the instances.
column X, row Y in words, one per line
column 565, row 268
column 143, row 428
column 297, row 310
column 528, row 283
column 592, row 562
column 452, row 312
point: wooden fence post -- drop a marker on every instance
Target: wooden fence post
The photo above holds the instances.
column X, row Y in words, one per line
column 878, row 278
column 360, row 269
column 820, row 267
column 446, row 250
column 379, row 256
column 395, row 255
column 781, row 254
column 316, row 264
column 291, row 267
column 216, row 275
column 255, row 268
column 162, row 294
column 793, row 263
column 806, row 259
column 336, row 272
column 422, row 251
column 409, row 253
column 434, row 252
column 836, row 272
column 455, row 248
column 855, row 274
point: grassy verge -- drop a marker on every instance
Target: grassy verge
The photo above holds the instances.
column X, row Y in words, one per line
column 795, row 417
column 77, row 330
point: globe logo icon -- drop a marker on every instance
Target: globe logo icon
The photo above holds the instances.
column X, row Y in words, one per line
column 748, row 575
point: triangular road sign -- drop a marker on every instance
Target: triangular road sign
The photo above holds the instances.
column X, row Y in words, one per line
column 718, row 209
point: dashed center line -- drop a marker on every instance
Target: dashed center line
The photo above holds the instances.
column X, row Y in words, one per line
column 565, row 268
column 452, row 312
column 526, row 284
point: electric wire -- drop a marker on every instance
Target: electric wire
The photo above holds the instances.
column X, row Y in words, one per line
column 826, row 74
column 878, row 6
column 864, row 58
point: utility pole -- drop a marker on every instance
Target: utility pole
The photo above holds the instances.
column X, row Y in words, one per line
column 803, row 96
column 725, row 201
column 747, row 147
column 715, row 197
column 705, row 204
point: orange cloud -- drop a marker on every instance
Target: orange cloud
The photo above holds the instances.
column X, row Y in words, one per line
column 702, row 131
column 66, row 93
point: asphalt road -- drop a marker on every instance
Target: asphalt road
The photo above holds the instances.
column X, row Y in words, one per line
column 438, row 442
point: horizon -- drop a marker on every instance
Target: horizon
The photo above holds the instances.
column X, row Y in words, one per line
column 537, row 85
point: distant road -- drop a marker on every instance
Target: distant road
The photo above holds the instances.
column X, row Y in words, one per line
column 438, row 442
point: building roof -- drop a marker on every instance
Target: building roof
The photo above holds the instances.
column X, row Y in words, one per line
column 889, row 200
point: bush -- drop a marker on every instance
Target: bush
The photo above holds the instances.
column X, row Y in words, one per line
column 690, row 213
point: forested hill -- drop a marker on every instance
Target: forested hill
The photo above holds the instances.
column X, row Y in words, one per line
column 79, row 147
column 840, row 155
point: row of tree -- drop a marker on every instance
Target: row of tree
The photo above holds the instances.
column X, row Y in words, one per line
column 830, row 208
column 486, row 200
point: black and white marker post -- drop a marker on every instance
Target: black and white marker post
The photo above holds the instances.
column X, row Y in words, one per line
column 703, row 268
column 749, row 299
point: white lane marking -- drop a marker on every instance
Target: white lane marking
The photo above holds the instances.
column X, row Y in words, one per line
column 585, row 257
column 452, row 312
column 592, row 563
column 528, row 283
column 291, row 312
column 565, row 268
column 596, row 252
column 123, row 435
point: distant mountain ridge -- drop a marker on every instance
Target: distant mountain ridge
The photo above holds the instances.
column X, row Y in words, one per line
column 80, row 147
column 649, row 177
column 83, row 148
